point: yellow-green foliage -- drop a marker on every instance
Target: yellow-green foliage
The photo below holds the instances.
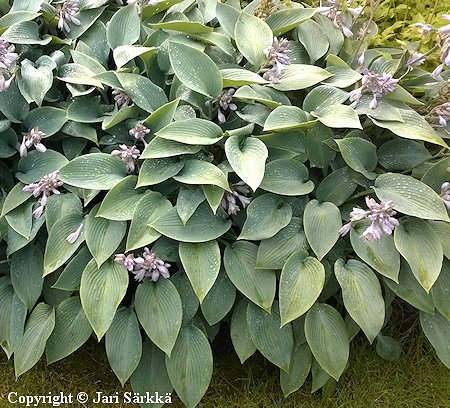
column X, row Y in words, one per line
column 395, row 21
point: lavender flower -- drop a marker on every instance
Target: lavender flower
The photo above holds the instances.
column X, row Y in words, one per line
column 66, row 14
column 139, row 132
column 33, row 138
column 381, row 217
column 239, row 191
column 277, row 56
column 121, row 98
column 5, row 83
column 378, row 84
column 445, row 194
column 46, row 185
column 146, row 265
column 71, row 238
column 6, row 57
column 225, row 102
column 128, row 156
column 443, row 41
column 6, row 60
column 443, row 113
column 127, row 261
column 415, row 59
column 426, row 28
column 343, row 20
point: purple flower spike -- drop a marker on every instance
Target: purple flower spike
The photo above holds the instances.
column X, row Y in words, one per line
column 381, row 216
column 146, row 265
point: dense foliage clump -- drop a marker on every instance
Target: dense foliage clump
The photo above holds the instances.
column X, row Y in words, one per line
column 168, row 167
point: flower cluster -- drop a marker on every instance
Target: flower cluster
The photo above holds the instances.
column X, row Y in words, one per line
column 139, row 132
column 378, row 84
column 381, row 217
column 277, row 56
column 66, row 13
column 341, row 19
column 6, row 59
column 442, row 112
column 33, row 138
column 128, row 156
column 226, row 102
column 148, row 264
column 46, row 185
column 239, row 191
column 141, row 3
column 265, row 8
column 443, row 41
column 445, row 194
column 121, row 98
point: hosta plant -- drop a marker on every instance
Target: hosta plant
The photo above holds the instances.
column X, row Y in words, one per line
column 170, row 167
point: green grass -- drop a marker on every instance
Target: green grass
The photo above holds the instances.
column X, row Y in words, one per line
column 417, row 380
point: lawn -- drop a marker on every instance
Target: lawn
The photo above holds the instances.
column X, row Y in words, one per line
column 417, row 380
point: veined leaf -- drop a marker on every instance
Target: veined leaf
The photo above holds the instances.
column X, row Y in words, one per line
column 285, row 20
column 72, row 330
column 124, row 27
column 240, row 335
column 301, row 282
column 101, row 291
column 327, row 338
column 361, row 292
column 120, row 202
column 437, row 329
column 39, row 326
column 258, row 285
column 421, row 247
column 195, row 70
column 274, row 252
column 203, row 225
column 95, row 171
column 191, row 365
column 103, row 236
column 252, row 37
column 322, row 222
column 201, row 262
column 202, row 172
column 381, row 255
column 287, row 177
column 123, row 342
column 414, row 127
column 300, row 76
column 247, row 158
column 192, row 131
column 58, row 250
column 266, row 215
column 273, row 342
column 359, row 154
column 159, row 310
column 410, row 196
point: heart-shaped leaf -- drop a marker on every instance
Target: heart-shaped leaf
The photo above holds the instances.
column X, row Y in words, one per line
column 256, row 284
column 322, row 222
column 159, row 310
column 201, row 262
column 361, row 292
column 101, row 291
column 327, row 338
column 421, row 247
column 301, row 282
column 247, row 158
